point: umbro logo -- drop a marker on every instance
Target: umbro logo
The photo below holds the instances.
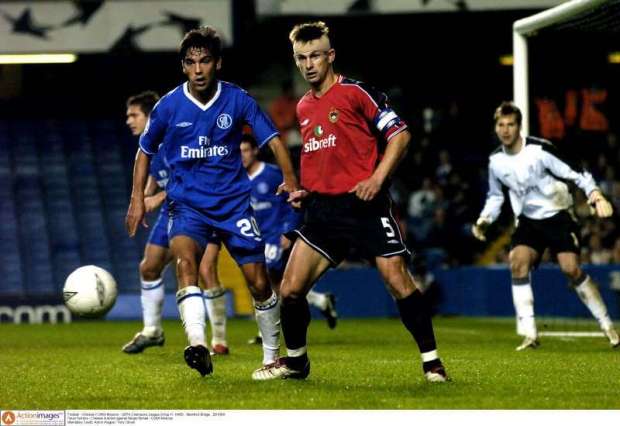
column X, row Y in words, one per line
column 305, row 122
column 184, row 124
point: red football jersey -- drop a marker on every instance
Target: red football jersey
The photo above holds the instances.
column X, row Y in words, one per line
column 340, row 132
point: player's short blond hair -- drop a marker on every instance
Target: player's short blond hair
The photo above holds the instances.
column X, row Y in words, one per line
column 308, row 31
column 508, row 108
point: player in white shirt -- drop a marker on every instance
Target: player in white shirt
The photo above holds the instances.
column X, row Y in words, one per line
column 534, row 174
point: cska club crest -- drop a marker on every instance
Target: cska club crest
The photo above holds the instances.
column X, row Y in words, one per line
column 318, row 131
column 333, row 115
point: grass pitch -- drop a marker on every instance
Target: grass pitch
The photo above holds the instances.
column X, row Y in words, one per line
column 362, row 364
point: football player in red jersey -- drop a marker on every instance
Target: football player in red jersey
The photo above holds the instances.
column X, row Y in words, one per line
column 345, row 177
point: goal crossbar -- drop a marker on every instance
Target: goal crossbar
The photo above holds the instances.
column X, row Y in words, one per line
column 521, row 29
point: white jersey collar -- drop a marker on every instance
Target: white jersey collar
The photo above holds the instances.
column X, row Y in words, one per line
column 258, row 171
column 196, row 102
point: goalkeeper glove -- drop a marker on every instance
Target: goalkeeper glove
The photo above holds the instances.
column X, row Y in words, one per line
column 480, row 228
column 599, row 204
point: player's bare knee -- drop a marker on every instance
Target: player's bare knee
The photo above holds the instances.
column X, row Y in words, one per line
column 208, row 273
column 186, row 265
column 289, row 291
column 400, row 284
column 260, row 289
column 571, row 270
column 396, row 277
column 150, row 271
column 519, row 265
column 519, row 269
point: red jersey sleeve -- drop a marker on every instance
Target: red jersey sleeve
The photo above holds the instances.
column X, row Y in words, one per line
column 375, row 107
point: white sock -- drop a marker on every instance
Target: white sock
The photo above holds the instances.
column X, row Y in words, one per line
column 591, row 297
column 152, row 297
column 268, row 319
column 192, row 309
column 215, row 301
column 293, row 353
column 316, row 299
column 523, row 300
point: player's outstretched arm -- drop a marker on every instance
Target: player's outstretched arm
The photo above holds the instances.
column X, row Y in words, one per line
column 584, row 180
column 151, row 187
column 396, row 149
column 492, row 207
column 153, row 198
column 135, row 212
column 283, row 158
column 290, row 184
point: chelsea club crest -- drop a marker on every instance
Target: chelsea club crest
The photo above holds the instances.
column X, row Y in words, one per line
column 224, row 121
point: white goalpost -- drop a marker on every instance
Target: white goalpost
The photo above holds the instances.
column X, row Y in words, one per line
column 528, row 27
column 587, row 17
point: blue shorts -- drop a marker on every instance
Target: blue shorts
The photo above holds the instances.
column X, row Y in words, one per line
column 238, row 232
column 159, row 233
column 275, row 258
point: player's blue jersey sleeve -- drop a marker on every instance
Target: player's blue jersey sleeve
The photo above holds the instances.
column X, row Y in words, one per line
column 155, row 129
column 159, row 170
column 263, row 128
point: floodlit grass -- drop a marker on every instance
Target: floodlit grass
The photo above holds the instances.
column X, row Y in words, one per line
column 362, row 364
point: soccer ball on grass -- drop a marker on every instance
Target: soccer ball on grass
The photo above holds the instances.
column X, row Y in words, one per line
column 90, row 291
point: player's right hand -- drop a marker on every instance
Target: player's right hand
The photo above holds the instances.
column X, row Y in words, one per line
column 480, row 228
column 295, row 198
column 135, row 215
column 599, row 204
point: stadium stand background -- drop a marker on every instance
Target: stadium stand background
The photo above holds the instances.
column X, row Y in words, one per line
column 66, row 156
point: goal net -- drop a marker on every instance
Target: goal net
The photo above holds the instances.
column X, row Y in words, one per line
column 566, row 63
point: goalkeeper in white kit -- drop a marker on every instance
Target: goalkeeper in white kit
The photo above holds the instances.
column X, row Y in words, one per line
column 535, row 174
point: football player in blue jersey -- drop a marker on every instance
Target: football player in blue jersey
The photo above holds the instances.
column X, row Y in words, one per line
column 157, row 254
column 198, row 126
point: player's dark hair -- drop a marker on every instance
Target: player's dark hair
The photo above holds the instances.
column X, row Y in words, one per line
column 202, row 38
column 248, row 138
column 308, row 31
column 145, row 100
column 508, row 108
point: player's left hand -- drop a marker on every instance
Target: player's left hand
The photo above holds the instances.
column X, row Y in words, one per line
column 600, row 205
column 367, row 189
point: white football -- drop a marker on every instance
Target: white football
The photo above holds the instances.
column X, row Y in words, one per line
column 90, row 291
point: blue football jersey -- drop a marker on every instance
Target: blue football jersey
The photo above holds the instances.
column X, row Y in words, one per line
column 159, row 170
column 273, row 214
column 200, row 144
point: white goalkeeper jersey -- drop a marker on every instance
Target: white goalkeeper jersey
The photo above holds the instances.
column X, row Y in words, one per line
column 536, row 181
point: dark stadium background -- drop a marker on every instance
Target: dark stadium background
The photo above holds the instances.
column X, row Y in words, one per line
column 445, row 62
